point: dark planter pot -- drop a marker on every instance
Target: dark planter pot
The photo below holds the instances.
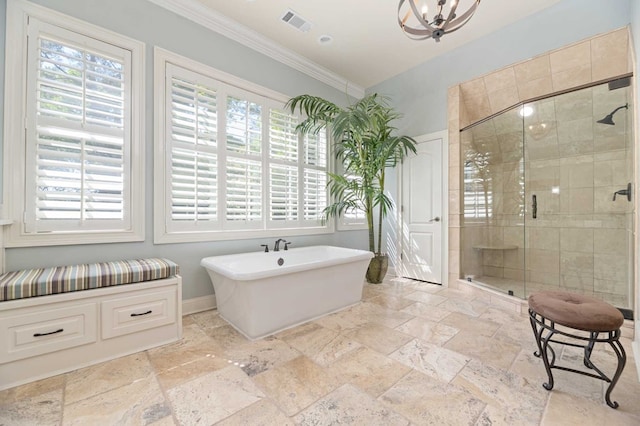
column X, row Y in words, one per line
column 377, row 268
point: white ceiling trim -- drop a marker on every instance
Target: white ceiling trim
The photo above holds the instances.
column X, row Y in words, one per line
column 229, row 28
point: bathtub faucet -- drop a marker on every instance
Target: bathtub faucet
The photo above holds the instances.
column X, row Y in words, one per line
column 276, row 247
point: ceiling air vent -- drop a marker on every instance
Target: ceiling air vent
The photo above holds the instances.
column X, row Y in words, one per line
column 296, row 21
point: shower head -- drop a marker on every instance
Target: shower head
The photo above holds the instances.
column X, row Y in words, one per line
column 609, row 118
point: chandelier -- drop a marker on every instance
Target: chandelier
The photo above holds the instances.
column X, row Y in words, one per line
column 417, row 24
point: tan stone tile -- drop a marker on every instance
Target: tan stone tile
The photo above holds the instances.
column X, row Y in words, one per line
column 187, row 360
column 473, row 88
column 432, row 360
column 463, row 294
column 517, row 333
column 535, row 88
column 382, row 316
column 499, row 80
column 564, row 408
column 391, row 302
column 429, row 331
column 430, row 312
column 514, row 398
column 439, row 403
column 480, row 326
column 208, row 319
column 41, row 406
column 140, row 402
column 349, row 405
column 106, row 376
column 473, row 308
column 379, row 338
column 296, row 384
column 370, row 371
column 347, row 319
column 194, row 345
column 213, row 397
column 32, row 390
column 503, row 99
column 570, row 57
column 477, row 108
column 425, row 298
column 610, row 54
column 318, row 343
column 574, row 77
column 370, row 291
column 427, row 287
column 261, row 355
column 490, row 351
column 261, row 413
column 533, row 69
column 191, row 369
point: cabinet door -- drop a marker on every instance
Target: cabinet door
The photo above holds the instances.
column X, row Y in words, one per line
column 130, row 314
column 26, row 333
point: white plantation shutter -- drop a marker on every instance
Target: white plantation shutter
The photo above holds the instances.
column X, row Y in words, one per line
column 232, row 160
column 244, row 190
column 283, row 138
column 283, row 169
column 315, row 176
column 79, row 132
column 315, row 194
column 283, row 192
column 192, row 129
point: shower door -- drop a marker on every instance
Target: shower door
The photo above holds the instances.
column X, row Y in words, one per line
column 578, row 164
column 493, row 246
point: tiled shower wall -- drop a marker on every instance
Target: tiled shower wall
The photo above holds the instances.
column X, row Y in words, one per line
column 599, row 58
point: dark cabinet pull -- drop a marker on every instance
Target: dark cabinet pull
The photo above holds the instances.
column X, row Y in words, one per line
column 534, row 206
column 139, row 315
column 60, row 330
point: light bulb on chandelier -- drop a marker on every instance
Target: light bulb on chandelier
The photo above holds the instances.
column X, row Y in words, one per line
column 416, row 23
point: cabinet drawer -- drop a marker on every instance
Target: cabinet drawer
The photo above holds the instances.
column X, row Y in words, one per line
column 125, row 315
column 50, row 330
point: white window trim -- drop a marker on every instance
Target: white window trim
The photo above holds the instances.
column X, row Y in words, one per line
column 18, row 12
column 161, row 207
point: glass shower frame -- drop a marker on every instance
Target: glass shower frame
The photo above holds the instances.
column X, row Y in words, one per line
column 538, row 185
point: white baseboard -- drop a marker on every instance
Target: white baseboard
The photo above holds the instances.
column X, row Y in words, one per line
column 198, row 304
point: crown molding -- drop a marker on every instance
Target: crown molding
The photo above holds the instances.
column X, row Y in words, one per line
column 207, row 17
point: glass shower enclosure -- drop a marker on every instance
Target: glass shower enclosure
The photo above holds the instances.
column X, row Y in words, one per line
column 548, row 196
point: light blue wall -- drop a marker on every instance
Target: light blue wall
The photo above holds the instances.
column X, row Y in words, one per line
column 421, row 93
column 156, row 26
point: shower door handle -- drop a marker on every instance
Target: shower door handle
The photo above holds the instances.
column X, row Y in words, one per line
column 534, row 206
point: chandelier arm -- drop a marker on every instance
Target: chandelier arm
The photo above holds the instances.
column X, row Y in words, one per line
column 462, row 19
column 417, row 13
column 452, row 14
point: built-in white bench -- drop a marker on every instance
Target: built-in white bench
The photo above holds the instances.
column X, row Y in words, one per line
column 55, row 320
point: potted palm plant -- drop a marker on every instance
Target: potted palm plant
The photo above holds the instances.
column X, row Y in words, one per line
column 365, row 145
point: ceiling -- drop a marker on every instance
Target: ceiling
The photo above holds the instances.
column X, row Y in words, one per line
column 368, row 46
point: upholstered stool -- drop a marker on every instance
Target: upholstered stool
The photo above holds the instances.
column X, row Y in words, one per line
column 599, row 319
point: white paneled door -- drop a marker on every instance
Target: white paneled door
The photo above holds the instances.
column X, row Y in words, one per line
column 421, row 213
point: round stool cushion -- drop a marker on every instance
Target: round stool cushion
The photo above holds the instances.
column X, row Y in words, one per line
column 576, row 311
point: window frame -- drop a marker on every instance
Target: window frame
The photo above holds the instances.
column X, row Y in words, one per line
column 269, row 100
column 16, row 127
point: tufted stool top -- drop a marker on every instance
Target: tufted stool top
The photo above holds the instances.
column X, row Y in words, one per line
column 576, row 311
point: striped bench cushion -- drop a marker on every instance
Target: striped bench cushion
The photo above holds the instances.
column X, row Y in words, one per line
column 62, row 279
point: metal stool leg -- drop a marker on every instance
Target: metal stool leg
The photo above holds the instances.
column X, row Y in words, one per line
column 622, row 360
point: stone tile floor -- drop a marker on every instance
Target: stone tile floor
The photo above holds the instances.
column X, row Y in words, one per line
column 410, row 353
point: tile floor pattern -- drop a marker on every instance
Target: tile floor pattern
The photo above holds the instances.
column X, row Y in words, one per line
column 409, row 354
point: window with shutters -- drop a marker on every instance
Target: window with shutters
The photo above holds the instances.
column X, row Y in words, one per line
column 82, row 151
column 229, row 162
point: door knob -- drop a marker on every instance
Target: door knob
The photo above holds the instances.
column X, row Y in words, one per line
column 435, row 219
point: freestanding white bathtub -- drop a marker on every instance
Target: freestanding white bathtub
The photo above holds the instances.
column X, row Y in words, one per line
column 262, row 293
